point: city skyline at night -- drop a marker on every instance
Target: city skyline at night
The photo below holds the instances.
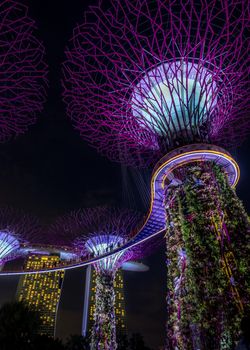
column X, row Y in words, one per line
column 135, row 104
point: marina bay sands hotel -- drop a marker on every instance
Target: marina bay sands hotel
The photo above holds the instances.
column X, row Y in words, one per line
column 44, row 292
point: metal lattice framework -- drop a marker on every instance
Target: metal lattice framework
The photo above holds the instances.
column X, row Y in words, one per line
column 144, row 77
column 18, row 231
column 23, row 72
column 97, row 231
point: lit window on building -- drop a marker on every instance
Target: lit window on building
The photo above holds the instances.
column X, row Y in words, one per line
column 42, row 291
column 119, row 302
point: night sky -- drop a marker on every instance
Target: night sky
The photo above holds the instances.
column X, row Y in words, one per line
column 50, row 171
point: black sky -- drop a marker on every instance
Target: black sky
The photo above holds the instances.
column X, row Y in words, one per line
column 50, row 171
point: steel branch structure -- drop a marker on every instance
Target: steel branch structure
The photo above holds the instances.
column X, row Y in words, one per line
column 23, row 72
column 18, row 232
column 94, row 232
column 167, row 81
column 144, row 77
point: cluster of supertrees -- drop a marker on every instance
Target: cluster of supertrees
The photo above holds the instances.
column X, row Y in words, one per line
column 23, row 82
column 89, row 233
column 148, row 83
column 150, row 79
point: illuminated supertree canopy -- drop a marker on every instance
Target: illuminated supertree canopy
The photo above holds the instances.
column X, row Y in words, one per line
column 23, row 72
column 146, row 78
column 18, row 231
column 95, row 232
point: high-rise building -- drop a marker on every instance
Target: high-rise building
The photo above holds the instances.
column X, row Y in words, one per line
column 42, row 291
column 120, row 312
column 89, row 304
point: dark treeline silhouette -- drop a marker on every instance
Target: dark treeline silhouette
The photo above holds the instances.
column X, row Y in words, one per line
column 135, row 342
column 19, row 329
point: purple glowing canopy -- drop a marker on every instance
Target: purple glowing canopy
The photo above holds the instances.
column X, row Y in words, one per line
column 146, row 76
column 23, row 72
column 18, row 232
column 97, row 231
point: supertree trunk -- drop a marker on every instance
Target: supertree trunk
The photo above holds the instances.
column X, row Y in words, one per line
column 206, row 223
column 104, row 329
column 178, row 332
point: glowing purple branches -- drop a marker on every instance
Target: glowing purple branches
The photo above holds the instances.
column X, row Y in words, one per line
column 97, row 231
column 23, row 73
column 18, row 231
column 144, row 77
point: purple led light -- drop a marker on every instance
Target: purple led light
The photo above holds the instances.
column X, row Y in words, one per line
column 93, row 232
column 17, row 230
column 23, row 73
column 144, row 77
column 222, row 159
column 8, row 244
column 100, row 244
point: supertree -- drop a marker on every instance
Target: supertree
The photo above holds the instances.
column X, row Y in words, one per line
column 95, row 232
column 150, row 79
column 18, row 232
column 23, row 72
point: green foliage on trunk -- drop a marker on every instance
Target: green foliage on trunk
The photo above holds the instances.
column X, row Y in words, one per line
column 207, row 224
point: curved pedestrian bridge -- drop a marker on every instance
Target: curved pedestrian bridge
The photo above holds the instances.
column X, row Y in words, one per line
column 155, row 222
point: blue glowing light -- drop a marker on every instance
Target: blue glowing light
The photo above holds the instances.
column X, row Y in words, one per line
column 103, row 243
column 174, row 96
column 8, row 244
column 67, row 255
column 64, row 255
column 134, row 266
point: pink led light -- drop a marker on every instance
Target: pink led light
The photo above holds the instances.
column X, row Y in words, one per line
column 23, row 72
column 145, row 77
